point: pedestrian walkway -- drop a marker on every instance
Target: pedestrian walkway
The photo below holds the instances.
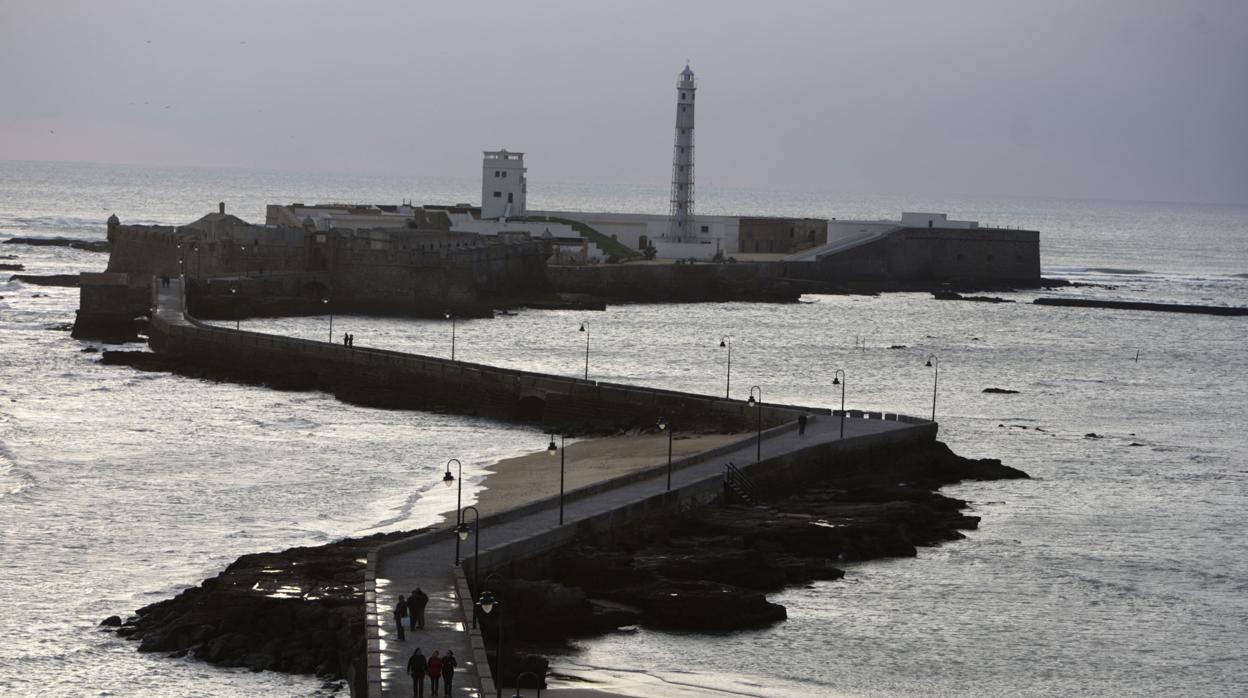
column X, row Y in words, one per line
column 431, row 566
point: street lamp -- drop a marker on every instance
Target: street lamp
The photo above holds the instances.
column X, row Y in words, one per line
column 329, row 310
column 462, row 531
column 670, row 429
column 759, row 406
column 447, row 479
column 585, row 329
column 451, row 316
column 841, row 381
column 552, row 449
column 520, row 680
column 935, row 378
column 726, row 341
column 237, row 319
column 488, row 603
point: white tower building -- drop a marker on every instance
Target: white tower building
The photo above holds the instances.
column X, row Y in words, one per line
column 503, row 185
column 680, row 228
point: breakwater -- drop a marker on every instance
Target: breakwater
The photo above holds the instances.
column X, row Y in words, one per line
column 1138, row 305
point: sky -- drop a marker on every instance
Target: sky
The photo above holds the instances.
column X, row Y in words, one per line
column 1110, row 99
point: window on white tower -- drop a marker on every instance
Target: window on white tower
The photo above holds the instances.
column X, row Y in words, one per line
column 498, row 195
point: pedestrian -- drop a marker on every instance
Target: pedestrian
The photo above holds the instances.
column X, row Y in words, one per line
column 400, row 610
column 351, row 340
column 435, row 672
column 417, row 605
column 448, row 672
column 801, row 424
column 416, row 669
column 346, row 339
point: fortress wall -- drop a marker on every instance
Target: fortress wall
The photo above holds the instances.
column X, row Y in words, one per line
column 666, row 282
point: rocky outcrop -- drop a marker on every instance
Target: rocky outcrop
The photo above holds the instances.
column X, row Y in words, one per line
column 298, row 611
column 66, row 280
column 88, row 245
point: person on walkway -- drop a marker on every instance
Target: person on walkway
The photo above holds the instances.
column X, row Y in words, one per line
column 434, row 668
column 448, row 671
column 346, row 339
column 416, row 669
column 400, row 610
column 801, row 424
column 417, row 606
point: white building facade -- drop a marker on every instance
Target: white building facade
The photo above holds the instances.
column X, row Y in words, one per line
column 503, row 184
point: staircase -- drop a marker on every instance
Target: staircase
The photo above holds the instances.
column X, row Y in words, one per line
column 738, row 486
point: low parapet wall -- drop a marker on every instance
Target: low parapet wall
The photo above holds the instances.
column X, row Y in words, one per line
column 563, row 402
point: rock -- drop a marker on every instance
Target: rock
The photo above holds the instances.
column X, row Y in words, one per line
column 67, row 280
column 12, row 267
column 1000, row 391
column 88, row 245
column 1092, row 435
column 111, row 622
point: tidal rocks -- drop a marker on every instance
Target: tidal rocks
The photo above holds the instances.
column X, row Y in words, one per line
column 1000, row 391
column 297, row 611
column 88, row 245
column 66, row 280
column 12, row 267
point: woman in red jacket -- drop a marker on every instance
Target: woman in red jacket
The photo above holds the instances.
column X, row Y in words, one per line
column 434, row 669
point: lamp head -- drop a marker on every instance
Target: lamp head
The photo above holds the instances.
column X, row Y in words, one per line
column 447, row 314
column 929, row 363
column 750, row 401
column 487, row 602
column 582, row 327
column 448, row 479
column 463, row 531
column 662, row 423
column 723, row 343
column 836, row 380
column 552, row 449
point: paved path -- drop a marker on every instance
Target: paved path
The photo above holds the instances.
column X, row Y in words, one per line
column 430, row 567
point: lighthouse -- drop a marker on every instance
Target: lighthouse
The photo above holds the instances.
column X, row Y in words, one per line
column 680, row 228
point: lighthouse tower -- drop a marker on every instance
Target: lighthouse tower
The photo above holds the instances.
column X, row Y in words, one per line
column 680, row 229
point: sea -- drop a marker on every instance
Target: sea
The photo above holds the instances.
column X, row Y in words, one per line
column 1120, row 569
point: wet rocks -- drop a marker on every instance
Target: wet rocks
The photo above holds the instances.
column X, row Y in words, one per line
column 1000, row 391
column 88, row 245
column 66, row 280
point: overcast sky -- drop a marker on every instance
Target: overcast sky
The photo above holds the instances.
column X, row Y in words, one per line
column 1120, row 99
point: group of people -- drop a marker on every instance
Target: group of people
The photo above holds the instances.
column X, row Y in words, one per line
column 435, row 668
column 348, row 340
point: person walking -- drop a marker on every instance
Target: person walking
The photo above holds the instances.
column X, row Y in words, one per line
column 416, row 667
column 448, row 672
column 419, row 600
column 801, row 424
column 400, row 610
column 434, row 669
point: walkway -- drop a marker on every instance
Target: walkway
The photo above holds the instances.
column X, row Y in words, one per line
column 430, row 567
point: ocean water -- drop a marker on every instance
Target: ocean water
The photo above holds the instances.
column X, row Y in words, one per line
column 1118, row 570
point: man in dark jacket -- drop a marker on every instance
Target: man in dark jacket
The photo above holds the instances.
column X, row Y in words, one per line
column 416, row 605
column 400, row 610
column 416, row 669
column 448, row 671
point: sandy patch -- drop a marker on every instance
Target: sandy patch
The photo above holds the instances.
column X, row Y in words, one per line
column 517, row 481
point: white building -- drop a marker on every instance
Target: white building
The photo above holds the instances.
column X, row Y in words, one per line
column 503, row 184
column 680, row 228
column 935, row 220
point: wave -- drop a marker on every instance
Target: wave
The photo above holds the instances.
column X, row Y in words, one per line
column 1112, row 270
column 13, row 480
column 1239, row 276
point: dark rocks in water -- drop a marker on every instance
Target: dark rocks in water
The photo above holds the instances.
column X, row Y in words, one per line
column 60, row 327
column 1135, row 443
column 90, row 350
column 1140, row 305
column 897, row 346
column 1000, row 391
column 953, row 296
column 297, row 611
column 1092, row 435
column 65, row 280
column 88, row 245
column 12, row 267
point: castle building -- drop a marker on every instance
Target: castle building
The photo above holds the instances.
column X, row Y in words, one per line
column 503, row 185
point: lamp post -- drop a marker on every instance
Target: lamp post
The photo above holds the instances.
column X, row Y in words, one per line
column 462, row 531
column 488, row 603
column 726, row 341
column 935, row 378
column 237, row 319
column 585, row 329
column 520, row 680
column 451, row 316
column 670, row 429
column 838, row 378
column 329, row 310
column 759, row 407
column 447, row 479
column 552, row 449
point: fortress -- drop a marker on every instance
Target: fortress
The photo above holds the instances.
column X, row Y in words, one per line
column 468, row 259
